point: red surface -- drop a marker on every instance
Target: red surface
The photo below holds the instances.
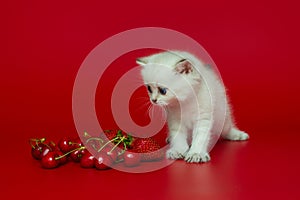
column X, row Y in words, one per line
column 255, row 44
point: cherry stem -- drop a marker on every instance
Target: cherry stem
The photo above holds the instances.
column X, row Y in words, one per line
column 32, row 146
column 94, row 138
column 121, row 140
column 72, row 143
column 85, row 134
column 107, row 143
column 80, row 148
column 37, row 141
column 122, row 152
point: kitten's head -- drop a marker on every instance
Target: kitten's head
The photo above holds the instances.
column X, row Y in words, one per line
column 168, row 77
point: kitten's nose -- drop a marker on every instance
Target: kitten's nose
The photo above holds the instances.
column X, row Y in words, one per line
column 154, row 100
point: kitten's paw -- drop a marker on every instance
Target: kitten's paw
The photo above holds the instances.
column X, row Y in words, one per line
column 243, row 136
column 193, row 157
column 236, row 135
column 173, row 154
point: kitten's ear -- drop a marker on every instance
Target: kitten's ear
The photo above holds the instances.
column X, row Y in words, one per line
column 183, row 67
column 142, row 61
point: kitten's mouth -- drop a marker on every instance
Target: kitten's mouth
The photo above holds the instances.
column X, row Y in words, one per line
column 159, row 103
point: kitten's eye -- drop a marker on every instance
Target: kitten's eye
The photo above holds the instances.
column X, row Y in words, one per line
column 162, row 91
column 149, row 88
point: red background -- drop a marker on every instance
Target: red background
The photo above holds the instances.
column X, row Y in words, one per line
column 255, row 45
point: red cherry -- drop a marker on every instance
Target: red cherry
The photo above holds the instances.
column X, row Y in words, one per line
column 87, row 160
column 113, row 154
column 76, row 143
column 103, row 161
column 62, row 159
column 65, row 144
column 131, row 159
column 78, row 154
column 37, row 150
column 49, row 161
column 46, row 150
column 52, row 145
column 41, row 149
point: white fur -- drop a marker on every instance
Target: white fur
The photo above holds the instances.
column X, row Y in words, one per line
column 190, row 104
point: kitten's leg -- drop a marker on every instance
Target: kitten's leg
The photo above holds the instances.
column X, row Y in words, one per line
column 199, row 148
column 235, row 134
column 178, row 144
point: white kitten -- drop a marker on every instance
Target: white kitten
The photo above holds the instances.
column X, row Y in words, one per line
column 175, row 80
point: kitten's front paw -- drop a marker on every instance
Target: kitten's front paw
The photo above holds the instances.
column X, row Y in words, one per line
column 193, row 157
column 174, row 154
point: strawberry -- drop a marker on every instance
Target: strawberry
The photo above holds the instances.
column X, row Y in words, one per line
column 148, row 147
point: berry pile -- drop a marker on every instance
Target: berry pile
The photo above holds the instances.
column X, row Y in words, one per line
column 112, row 147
